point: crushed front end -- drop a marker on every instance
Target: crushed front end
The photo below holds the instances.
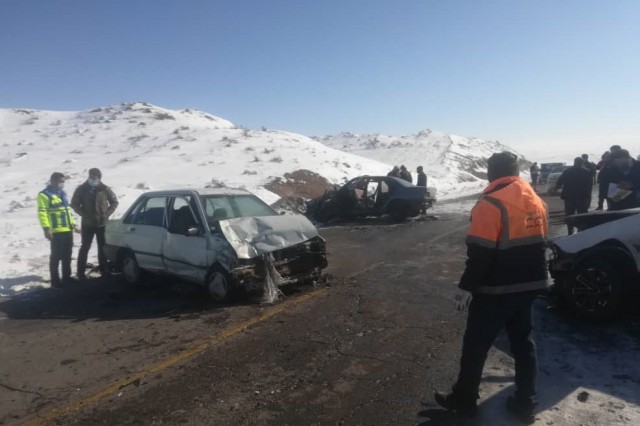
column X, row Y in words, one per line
column 296, row 264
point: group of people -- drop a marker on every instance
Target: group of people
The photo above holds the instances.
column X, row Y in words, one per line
column 94, row 202
column 402, row 173
column 618, row 180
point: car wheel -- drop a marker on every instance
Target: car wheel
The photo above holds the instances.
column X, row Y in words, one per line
column 218, row 286
column 131, row 272
column 594, row 288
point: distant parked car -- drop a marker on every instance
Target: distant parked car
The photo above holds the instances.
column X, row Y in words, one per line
column 553, row 177
column 597, row 268
column 370, row 196
column 545, row 171
column 221, row 238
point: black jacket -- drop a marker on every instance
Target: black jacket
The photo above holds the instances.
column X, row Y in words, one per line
column 631, row 181
column 576, row 183
column 422, row 179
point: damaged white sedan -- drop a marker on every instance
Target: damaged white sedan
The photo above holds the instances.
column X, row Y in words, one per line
column 224, row 239
column 597, row 269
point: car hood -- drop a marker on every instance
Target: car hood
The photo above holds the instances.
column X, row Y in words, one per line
column 623, row 225
column 584, row 221
column 254, row 236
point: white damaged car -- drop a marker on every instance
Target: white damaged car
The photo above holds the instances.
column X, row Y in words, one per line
column 224, row 239
column 597, row 268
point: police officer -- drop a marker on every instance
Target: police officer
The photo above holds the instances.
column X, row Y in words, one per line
column 58, row 225
column 505, row 270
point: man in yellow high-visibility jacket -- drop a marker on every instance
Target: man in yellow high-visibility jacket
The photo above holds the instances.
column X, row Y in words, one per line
column 58, row 225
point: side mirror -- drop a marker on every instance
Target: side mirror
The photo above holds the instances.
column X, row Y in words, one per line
column 193, row 232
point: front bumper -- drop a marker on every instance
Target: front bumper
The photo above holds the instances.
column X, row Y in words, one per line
column 300, row 263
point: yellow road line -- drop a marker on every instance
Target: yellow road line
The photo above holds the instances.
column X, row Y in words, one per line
column 171, row 361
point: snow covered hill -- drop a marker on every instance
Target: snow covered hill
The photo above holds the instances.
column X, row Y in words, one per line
column 139, row 146
column 454, row 164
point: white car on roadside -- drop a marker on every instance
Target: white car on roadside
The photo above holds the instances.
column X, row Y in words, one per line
column 596, row 269
column 224, row 239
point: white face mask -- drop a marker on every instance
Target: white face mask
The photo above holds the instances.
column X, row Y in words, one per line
column 93, row 182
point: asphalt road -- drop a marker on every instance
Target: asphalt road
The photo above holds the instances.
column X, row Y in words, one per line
column 369, row 346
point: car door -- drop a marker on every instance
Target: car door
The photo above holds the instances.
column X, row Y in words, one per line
column 184, row 251
column 145, row 232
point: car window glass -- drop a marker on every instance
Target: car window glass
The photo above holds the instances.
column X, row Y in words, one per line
column 248, row 205
column 134, row 211
column 181, row 218
column 152, row 213
column 221, row 207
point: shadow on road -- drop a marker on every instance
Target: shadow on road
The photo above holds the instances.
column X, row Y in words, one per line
column 107, row 299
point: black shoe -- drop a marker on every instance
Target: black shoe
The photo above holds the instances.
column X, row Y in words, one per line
column 56, row 284
column 522, row 410
column 454, row 402
column 70, row 280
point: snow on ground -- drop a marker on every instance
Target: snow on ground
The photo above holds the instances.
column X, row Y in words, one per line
column 588, row 374
column 138, row 147
column 142, row 147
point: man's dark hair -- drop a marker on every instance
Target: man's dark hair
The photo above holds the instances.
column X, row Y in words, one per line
column 502, row 164
column 95, row 172
column 56, row 177
column 585, row 156
column 621, row 153
column 578, row 162
column 615, row 148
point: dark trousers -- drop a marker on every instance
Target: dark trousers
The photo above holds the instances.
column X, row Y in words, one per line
column 87, row 238
column 61, row 248
column 488, row 315
column 573, row 206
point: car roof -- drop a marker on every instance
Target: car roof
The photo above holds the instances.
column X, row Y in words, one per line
column 199, row 191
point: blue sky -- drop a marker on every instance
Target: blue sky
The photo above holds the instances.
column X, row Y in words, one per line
column 528, row 73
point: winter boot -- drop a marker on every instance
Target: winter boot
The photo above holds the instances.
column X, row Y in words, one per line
column 456, row 402
column 523, row 410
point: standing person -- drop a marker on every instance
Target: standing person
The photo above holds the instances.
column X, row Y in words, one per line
column 422, row 181
column 534, row 171
column 395, row 172
column 589, row 166
column 506, row 268
column 601, row 167
column 405, row 174
column 57, row 223
column 577, row 184
column 624, row 174
column 422, row 177
column 604, row 177
column 94, row 202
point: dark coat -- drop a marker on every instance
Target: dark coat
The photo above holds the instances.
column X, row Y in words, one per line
column 406, row 175
column 576, row 183
column 422, row 179
column 94, row 204
column 631, row 181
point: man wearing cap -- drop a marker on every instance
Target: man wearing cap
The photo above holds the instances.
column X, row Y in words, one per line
column 506, row 269
column 94, row 202
column 58, row 226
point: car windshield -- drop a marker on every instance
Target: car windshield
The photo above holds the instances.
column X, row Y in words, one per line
column 221, row 207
